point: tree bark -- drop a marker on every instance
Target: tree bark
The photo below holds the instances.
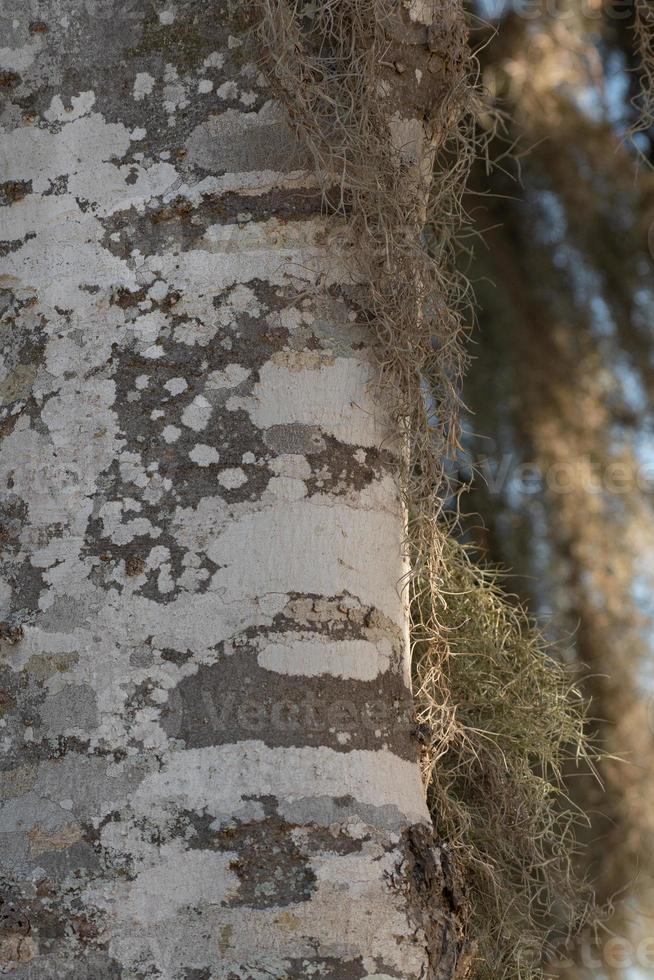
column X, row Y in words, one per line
column 210, row 769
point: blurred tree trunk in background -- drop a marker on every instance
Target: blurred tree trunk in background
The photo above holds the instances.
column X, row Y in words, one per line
column 563, row 380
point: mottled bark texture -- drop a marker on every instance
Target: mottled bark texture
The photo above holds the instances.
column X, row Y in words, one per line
column 209, row 766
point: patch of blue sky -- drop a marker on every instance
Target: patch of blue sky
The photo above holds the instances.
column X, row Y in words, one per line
column 633, row 391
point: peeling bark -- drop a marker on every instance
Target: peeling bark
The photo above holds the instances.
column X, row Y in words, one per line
column 210, row 769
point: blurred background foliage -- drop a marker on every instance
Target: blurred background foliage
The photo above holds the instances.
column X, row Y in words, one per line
column 559, row 431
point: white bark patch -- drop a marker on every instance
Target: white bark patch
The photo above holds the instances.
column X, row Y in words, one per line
column 158, row 290
column 375, row 928
column 356, row 659
column 126, row 532
column 80, row 105
column 204, row 455
column 197, row 414
column 220, row 777
column 188, row 622
column 154, row 352
column 143, row 85
column 230, row 377
column 232, row 478
column 228, row 90
column 201, row 274
column 148, row 327
column 283, row 488
column 20, row 59
column 171, row 433
column 79, row 148
column 180, row 878
column 65, row 252
column 328, row 547
column 244, row 237
column 176, row 386
column 55, row 473
column 214, row 60
column 334, row 395
column 409, row 137
column 292, row 466
column 422, row 11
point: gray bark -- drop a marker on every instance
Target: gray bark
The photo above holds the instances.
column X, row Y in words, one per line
column 209, row 765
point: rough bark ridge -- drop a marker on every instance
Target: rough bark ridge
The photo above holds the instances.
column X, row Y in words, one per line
column 210, row 770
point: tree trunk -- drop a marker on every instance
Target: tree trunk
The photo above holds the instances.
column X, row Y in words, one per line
column 211, row 770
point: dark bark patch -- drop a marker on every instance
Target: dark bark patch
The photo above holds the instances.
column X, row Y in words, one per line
column 67, row 940
column 15, row 245
column 9, row 79
column 186, row 222
column 326, row 968
column 75, row 706
column 175, row 656
column 340, row 467
column 92, row 966
column 22, row 698
column 227, row 142
column 22, row 338
column 14, row 190
column 197, row 32
column 273, row 861
column 433, row 884
column 271, row 868
column 294, row 439
column 235, row 698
